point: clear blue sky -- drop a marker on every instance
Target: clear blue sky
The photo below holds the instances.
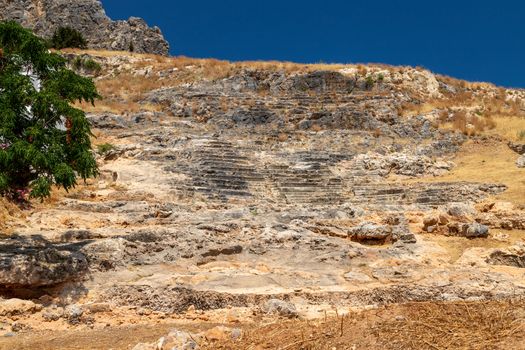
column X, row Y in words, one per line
column 475, row 40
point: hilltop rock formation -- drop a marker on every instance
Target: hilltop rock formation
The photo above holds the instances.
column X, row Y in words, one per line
column 89, row 18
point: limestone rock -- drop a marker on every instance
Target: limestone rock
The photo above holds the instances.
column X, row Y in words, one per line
column 90, row 19
column 476, row 230
column 512, row 256
column 519, row 148
column 34, row 262
column 460, row 210
column 178, row 339
column 279, row 307
column 53, row 313
column 12, row 307
column 371, row 233
column 520, row 163
column 401, row 164
column 473, row 230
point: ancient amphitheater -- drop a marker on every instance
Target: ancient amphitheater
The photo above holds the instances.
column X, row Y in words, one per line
column 234, row 197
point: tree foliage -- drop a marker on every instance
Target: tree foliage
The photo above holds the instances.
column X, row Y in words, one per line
column 67, row 37
column 44, row 140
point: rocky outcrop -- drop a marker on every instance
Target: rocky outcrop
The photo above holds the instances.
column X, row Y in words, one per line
column 34, row 262
column 519, row 148
column 512, row 256
column 89, row 18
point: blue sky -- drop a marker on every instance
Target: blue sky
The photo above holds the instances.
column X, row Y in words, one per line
column 474, row 40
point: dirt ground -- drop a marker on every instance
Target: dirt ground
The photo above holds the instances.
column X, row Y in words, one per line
column 452, row 325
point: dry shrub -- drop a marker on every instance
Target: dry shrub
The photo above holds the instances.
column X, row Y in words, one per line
column 282, row 137
column 316, row 127
column 459, row 121
column 443, row 116
column 377, row 133
column 362, row 70
column 483, row 123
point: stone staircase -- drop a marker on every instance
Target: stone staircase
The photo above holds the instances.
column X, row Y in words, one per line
column 306, row 178
column 223, row 170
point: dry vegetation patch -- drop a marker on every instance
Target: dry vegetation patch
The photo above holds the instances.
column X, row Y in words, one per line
column 486, row 162
column 444, row 325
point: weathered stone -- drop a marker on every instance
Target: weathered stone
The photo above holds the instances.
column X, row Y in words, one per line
column 36, row 262
column 519, row 148
column 460, row 210
column 12, row 307
column 512, row 256
column 473, row 230
column 280, row 307
column 520, row 162
column 371, row 233
column 97, row 307
column 73, row 313
column 53, row 313
column 476, row 230
column 430, row 221
column 177, row 339
column 237, row 249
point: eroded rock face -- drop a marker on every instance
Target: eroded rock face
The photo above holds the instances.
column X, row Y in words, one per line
column 35, row 262
column 89, row 18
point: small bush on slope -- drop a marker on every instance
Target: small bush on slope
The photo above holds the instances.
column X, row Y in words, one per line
column 66, row 37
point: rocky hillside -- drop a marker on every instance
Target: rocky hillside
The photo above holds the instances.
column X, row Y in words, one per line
column 89, row 18
column 234, row 196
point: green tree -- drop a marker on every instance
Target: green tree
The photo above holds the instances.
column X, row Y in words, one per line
column 67, row 37
column 44, row 140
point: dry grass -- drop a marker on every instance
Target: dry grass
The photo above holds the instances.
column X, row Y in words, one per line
column 124, row 91
column 10, row 214
column 456, row 246
column 479, row 325
column 490, row 162
column 484, row 112
column 510, row 127
column 426, row 325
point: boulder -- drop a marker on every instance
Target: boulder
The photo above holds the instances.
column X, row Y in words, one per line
column 460, row 210
column 371, row 233
column 280, row 307
column 473, row 230
column 430, row 221
column 476, row 230
column 520, row 162
column 53, row 313
column 519, row 148
column 178, row 339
